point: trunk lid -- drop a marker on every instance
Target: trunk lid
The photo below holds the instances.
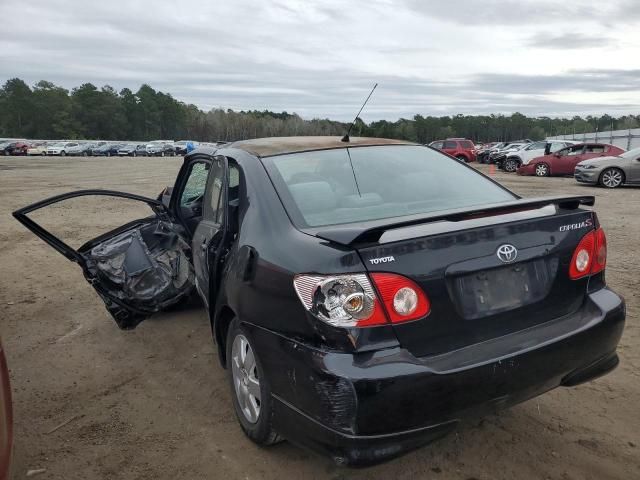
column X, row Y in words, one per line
column 477, row 289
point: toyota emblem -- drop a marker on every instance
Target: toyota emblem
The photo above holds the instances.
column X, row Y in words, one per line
column 507, row 253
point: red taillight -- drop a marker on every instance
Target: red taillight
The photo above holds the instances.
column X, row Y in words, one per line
column 590, row 256
column 600, row 256
column 403, row 300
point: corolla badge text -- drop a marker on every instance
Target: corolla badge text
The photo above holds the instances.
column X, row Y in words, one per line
column 376, row 261
column 576, row 226
column 507, row 253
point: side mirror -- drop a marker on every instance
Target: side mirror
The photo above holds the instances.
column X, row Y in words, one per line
column 547, row 149
column 557, row 154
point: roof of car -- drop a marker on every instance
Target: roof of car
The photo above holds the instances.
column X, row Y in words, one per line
column 264, row 147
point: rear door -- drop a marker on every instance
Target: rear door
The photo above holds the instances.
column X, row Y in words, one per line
column 137, row 269
column 450, row 147
column 197, row 206
column 565, row 164
column 594, row 150
column 216, row 182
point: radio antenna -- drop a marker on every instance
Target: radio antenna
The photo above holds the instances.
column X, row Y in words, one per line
column 346, row 136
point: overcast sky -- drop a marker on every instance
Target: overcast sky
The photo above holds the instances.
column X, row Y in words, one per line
column 320, row 58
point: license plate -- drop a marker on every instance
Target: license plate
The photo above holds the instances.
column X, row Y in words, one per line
column 489, row 292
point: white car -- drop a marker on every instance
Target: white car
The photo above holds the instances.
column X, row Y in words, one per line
column 527, row 152
column 39, row 149
column 61, row 148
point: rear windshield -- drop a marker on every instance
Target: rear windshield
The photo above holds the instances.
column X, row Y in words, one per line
column 321, row 188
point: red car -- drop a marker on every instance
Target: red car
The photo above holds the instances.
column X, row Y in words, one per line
column 460, row 148
column 14, row 148
column 6, row 418
column 563, row 162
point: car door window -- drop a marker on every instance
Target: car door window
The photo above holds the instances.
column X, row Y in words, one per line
column 450, row 145
column 195, row 184
column 595, row 149
column 213, row 206
column 437, row 145
column 575, row 150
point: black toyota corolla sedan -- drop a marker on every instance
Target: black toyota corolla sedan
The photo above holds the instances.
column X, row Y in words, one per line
column 365, row 296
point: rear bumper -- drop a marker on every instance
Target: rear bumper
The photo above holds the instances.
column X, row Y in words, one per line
column 364, row 408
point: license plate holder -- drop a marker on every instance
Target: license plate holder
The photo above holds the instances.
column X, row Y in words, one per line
column 488, row 292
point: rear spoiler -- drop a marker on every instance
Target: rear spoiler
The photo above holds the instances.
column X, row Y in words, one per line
column 370, row 232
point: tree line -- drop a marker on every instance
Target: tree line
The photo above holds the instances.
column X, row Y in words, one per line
column 48, row 111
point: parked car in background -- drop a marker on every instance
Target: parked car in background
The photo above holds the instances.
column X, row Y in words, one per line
column 499, row 156
column 181, row 146
column 89, row 148
column 141, row 151
column 6, row 418
column 610, row 171
column 160, row 150
column 365, row 296
column 564, row 161
column 530, row 151
column 132, row 150
column 460, row 148
column 81, row 149
column 482, row 151
column 14, row 148
column 38, row 148
column 107, row 150
column 61, row 148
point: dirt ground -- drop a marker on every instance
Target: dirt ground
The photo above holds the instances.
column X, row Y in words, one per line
column 153, row 403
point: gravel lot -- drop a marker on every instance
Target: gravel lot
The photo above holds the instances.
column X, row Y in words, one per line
column 154, row 403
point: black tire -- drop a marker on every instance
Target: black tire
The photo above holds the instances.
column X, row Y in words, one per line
column 63, row 153
column 542, row 170
column 108, row 154
column 162, row 153
column 611, row 177
column 135, row 154
column 510, row 165
column 44, row 154
column 261, row 432
column 462, row 158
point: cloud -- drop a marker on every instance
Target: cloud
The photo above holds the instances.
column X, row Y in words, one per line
column 319, row 58
column 568, row 41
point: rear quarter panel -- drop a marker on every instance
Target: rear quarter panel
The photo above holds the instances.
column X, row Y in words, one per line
column 267, row 254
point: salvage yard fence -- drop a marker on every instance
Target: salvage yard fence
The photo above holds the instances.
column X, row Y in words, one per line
column 627, row 139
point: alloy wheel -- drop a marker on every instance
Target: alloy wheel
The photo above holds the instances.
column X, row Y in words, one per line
column 542, row 170
column 510, row 166
column 612, row 178
column 245, row 378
